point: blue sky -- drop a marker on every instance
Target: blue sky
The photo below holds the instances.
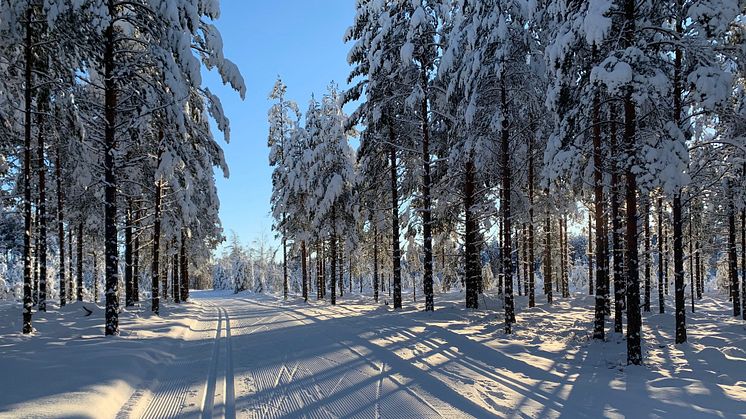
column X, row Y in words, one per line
column 300, row 40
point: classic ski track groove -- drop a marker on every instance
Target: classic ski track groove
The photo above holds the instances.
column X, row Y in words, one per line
column 208, row 395
column 282, row 396
column 229, row 395
column 222, row 349
column 159, row 398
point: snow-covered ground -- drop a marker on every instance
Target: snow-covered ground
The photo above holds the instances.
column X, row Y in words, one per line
column 256, row 356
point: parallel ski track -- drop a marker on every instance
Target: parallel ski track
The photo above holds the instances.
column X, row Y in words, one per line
column 159, row 397
column 208, row 398
column 222, row 349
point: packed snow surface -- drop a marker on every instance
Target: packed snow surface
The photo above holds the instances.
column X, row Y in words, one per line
column 253, row 355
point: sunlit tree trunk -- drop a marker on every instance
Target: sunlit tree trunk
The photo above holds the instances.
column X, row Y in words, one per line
column 375, row 263
column 661, row 273
column 470, row 238
column 691, row 257
column 304, row 268
column 60, row 226
column 128, row 286
column 732, row 258
column 590, row 253
column 531, row 231
column 646, row 306
column 333, row 253
column 678, row 220
column 28, row 68
column 70, row 260
column 395, row 248
column 175, row 280
column 616, row 230
column 548, row 257
column 156, row 270
column 136, row 257
column 80, row 261
column 284, row 260
column 111, row 248
column 43, row 105
column 427, row 237
column 184, row 269
column 634, row 319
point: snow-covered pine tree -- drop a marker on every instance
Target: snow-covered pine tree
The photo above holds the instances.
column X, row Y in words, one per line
column 380, row 31
column 152, row 40
column 282, row 116
column 331, row 177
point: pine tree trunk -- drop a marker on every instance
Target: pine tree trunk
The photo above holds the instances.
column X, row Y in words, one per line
column 155, row 267
column 525, row 259
column 136, row 258
column 698, row 264
column 95, row 278
column 563, row 257
column 111, row 249
column 375, row 263
column 531, row 256
column 678, row 258
column 445, row 282
column 568, row 261
column 561, row 233
column 678, row 221
column 319, row 289
column 184, row 270
column 666, row 251
column 427, row 280
column 70, row 260
column 42, row 104
column 333, row 252
column 304, row 269
column 28, row 66
column 661, row 277
column 519, row 283
column 60, row 226
column 603, row 276
column 175, row 280
column 691, row 256
column 646, row 306
column 507, row 218
column 284, row 260
column 35, row 297
column 349, row 271
column 396, row 250
column 340, row 262
column 590, row 253
column 309, row 251
column 80, row 261
column 743, row 260
column 548, row 257
column 732, row 259
column 599, row 213
column 634, row 320
column 616, row 232
column 470, row 224
column 164, row 272
column 501, row 237
column 129, row 301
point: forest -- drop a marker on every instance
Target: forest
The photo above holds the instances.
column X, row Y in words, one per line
column 491, row 157
column 491, row 133
column 107, row 149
